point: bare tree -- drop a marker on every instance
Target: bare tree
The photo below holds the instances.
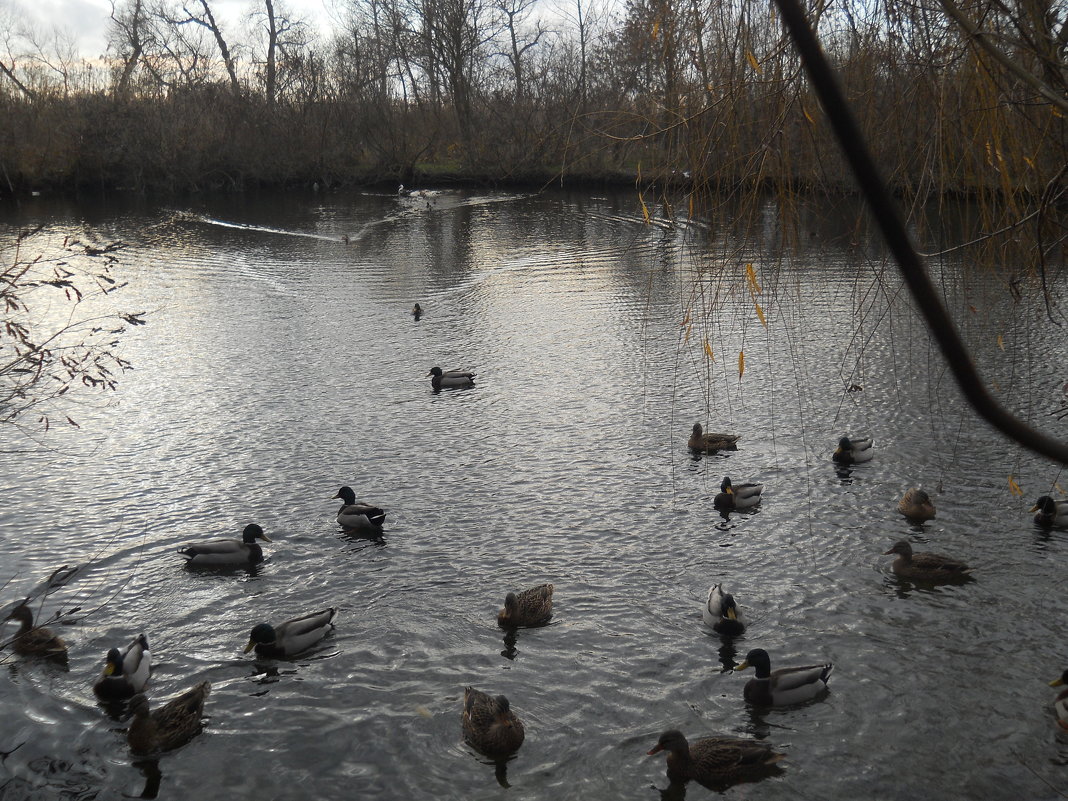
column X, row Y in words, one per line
column 205, row 18
column 516, row 14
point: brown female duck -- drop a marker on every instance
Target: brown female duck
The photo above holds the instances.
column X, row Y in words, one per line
column 172, row 725
column 710, row 442
column 490, row 725
column 929, row 567
column 916, row 505
column 1060, row 703
column 533, row 607
column 31, row 640
column 712, row 760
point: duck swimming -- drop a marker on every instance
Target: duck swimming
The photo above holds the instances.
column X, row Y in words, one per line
column 853, row 451
column 792, row 685
column 923, row 566
column 450, row 379
column 722, row 613
column 712, row 760
column 33, row 640
column 215, row 553
column 533, row 607
column 172, row 725
column 355, row 516
column 291, row 637
column 737, row 497
column 489, row 724
column 711, row 442
column 125, row 672
column 1050, row 512
column 916, row 505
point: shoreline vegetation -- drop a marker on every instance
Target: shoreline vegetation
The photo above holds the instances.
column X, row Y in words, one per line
column 700, row 100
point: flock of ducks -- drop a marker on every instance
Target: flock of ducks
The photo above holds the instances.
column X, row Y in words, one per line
column 488, row 722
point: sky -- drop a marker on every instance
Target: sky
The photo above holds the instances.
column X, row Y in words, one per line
column 87, row 20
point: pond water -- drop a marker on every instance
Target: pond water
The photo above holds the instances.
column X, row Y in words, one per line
column 280, row 362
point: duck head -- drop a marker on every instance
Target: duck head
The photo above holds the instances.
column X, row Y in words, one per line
column 902, row 548
column 263, row 634
column 1045, row 504
column 725, row 485
column 253, row 532
column 757, row 658
column 347, row 495
column 113, row 667
column 673, row 741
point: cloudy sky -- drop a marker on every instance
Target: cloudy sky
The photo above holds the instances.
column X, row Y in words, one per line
column 86, row 20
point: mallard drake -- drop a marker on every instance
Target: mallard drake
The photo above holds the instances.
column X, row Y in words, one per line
column 213, row 553
column 126, row 672
column 712, row 760
column 173, row 724
column 533, row 607
column 784, row 686
column 1050, row 512
column 450, row 379
column 355, row 516
column 490, row 725
column 700, row 441
column 916, row 505
column 926, row 566
column 722, row 613
column 853, row 450
column 33, row 640
column 1060, row 703
column 291, row 637
column 737, row 497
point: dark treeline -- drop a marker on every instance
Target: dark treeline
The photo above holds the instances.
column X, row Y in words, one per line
column 954, row 99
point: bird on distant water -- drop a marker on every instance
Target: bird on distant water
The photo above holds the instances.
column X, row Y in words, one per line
column 916, row 505
column 791, row 685
column 417, row 311
column 125, row 672
column 853, row 450
column 711, row 442
column 1060, row 703
column 355, row 516
column 925, row 566
column 291, row 637
column 737, row 497
column 450, row 379
column 533, row 607
column 711, row 760
column 489, row 724
column 216, row 553
column 33, row 640
column 1050, row 512
column 172, row 725
column 722, row 613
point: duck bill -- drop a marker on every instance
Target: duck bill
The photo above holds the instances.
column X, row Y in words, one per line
column 731, row 614
column 742, row 666
column 1034, row 508
column 656, row 750
column 250, row 646
column 887, row 553
column 109, row 669
column 336, row 497
column 1056, row 682
column 265, row 538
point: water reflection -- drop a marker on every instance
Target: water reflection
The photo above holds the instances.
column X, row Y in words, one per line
column 153, row 777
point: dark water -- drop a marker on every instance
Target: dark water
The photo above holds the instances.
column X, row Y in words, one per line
column 280, row 363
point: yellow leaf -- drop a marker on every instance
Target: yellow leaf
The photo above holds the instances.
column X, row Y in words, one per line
column 708, row 351
column 741, row 363
column 1001, row 342
column 752, row 61
column 1014, row 488
column 750, row 275
column 686, row 338
column 807, row 115
column 1030, row 162
column 656, row 29
column 645, row 209
column 760, row 315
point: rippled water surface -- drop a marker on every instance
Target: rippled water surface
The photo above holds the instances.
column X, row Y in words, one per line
column 280, row 362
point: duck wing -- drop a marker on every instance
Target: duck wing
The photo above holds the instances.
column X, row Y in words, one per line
column 938, row 563
column 535, row 605
column 796, row 684
column 300, row 633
